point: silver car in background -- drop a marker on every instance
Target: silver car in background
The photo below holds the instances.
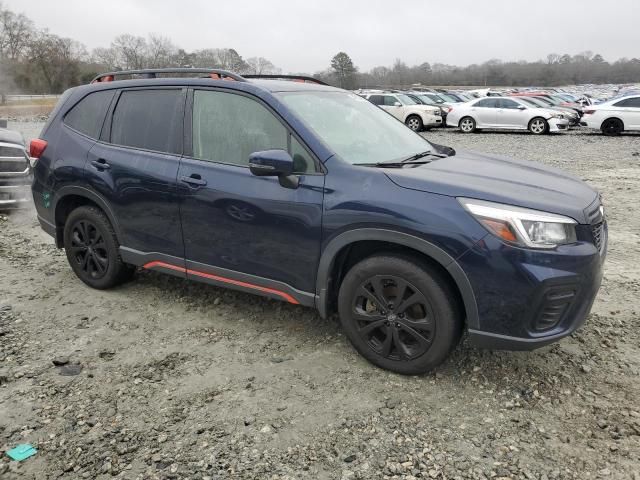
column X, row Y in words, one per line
column 15, row 171
column 505, row 114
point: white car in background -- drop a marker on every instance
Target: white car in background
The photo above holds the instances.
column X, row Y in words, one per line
column 614, row 116
column 416, row 116
column 505, row 114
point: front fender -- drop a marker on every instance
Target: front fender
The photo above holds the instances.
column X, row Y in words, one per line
column 434, row 252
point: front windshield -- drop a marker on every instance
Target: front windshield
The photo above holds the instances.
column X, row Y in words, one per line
column 353, row 127
column 449, row 98
column 435, row 98
column 531, row 102
column 426, row 99
column 407, row 100
column 546, row 101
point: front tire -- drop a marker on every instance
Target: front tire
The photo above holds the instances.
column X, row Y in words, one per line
column 612, row 127
column 399, row 313
column 538, row 126
column 92, row 249
column 467, row 125
column 414, row 122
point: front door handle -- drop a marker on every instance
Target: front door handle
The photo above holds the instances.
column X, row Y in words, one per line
column 101, row 164
column 194, row 179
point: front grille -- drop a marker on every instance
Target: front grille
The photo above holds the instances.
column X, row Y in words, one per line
column 13, row 165
column 598, row 223
column 598, row 234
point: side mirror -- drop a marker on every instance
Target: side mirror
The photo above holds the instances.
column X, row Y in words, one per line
column 274, row 163
column 521, row 107
column 397, row 104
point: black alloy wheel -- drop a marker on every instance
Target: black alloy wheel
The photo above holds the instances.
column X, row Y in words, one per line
column 612, row 127
column 393, row 317
column 89, row 249
column 92, row 249
column 400, row 312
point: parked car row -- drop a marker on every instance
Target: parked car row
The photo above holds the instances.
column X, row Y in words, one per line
column 539, row 111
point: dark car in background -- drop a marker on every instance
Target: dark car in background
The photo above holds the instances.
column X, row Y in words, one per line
column 15, row 171
column 313, row 195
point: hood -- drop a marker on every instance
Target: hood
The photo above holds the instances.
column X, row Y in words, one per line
column 500, row 179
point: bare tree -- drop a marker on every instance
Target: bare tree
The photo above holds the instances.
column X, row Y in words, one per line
column 161, row 52
column 130, row 51
column 260, row 65
column 15, row 33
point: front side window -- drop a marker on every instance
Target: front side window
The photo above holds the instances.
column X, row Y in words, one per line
column 227, row 128
column 487, row 103
column 87, row 116
column 506, row 103
column 147, row 119
column 356, row 130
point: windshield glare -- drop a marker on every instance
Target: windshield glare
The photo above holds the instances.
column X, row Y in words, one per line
column 354, row 128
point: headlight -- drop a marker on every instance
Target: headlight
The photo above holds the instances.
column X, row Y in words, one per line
column 557, row 115
column 437, row 113
column 521, row 226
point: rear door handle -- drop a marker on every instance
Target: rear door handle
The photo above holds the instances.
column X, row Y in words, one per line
column 194, row 179
column 100, row 164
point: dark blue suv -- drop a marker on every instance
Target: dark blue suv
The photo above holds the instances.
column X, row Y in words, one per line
column 310, row 194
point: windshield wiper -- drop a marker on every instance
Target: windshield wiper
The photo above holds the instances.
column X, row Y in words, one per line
column 392, row 164
column 429, row 153
column 412, row 160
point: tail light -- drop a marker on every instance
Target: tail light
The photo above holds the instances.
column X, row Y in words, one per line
column 449, row 109
column 36, row 148
column 589, row 112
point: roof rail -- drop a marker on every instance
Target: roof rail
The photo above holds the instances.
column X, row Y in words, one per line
column 295, row 78
column 214, row 73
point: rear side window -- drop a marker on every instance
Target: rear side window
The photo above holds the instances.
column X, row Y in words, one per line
column 377, row 99
column 148, row 119
column 88, row 115
column 628, row 102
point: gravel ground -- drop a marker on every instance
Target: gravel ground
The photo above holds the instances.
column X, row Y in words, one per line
column 166, row 379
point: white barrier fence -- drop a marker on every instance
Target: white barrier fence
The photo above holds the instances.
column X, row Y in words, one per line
column 22, row 98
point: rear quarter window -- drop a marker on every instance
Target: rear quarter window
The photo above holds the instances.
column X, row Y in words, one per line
column 148, row 119
column 87, row 116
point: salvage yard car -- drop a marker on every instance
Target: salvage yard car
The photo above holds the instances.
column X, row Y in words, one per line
column 312, row 195
column 417, row 116
column 505, row 114
column 614, row 116
column 15, row 171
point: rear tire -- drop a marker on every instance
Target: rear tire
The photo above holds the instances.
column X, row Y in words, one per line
column 538, row 126
column 92, row 249
column 467, row 125
column 399, row 313
column 414, row 122
column 612, row 127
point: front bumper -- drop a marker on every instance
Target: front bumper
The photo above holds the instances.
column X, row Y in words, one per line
column 558, row 124
column 526, row 298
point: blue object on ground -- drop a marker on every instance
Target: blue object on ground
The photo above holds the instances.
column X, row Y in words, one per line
column 21, row 452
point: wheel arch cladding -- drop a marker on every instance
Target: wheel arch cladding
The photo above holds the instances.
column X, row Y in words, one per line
column 68, row 199
column 435, row 254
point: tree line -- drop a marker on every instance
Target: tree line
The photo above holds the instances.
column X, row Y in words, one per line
column 33, row 60
column 555, row 70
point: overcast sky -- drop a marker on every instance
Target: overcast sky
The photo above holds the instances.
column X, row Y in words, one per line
column 303, row 35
